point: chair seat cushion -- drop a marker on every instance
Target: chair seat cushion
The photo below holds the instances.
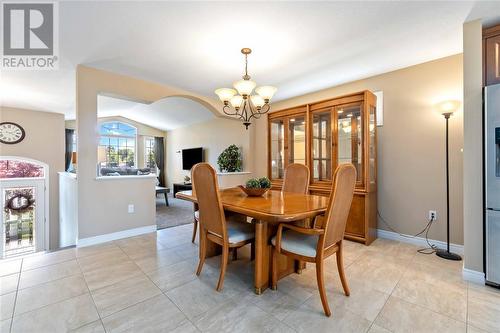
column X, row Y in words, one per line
column 239, row 231
column 197, row 215
column 295, row 242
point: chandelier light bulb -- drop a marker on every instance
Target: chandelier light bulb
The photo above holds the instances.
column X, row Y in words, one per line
column 244, row 87
column 236, row 101
column 225, row 94
column 257, row 101
column 266, row 92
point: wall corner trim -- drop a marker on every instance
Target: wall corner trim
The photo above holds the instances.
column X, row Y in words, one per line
column 418, row 241
column 115, row 235
column 473, row 276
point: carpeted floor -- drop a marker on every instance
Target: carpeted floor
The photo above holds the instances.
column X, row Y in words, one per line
column 179, row 212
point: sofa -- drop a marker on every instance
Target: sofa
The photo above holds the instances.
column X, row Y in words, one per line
column 124, row 171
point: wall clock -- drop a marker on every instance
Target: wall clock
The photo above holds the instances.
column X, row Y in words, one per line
column 11, row 133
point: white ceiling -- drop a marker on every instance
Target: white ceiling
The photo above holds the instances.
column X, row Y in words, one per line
column 298, row 46
column 166, row 114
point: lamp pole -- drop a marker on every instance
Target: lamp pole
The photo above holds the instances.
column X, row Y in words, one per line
column 446, row 254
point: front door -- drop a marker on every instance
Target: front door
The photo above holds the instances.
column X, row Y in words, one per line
column 22, row 217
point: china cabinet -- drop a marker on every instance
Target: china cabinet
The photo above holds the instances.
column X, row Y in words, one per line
column 323, row 135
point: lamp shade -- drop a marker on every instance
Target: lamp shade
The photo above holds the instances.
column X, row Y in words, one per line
column 225, row 94
column 236, row 101
column 448, row 107
column 244, row 87
column 266, row 92
column 257, row 101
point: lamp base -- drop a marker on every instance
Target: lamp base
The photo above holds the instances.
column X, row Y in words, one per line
column 448, row 255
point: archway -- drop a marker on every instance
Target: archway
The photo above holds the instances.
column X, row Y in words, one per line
column 23, row 195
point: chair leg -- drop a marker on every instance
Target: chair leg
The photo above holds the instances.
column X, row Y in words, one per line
column 195, row 227
column 274, row 269
column 340, row 268
column 225, row 256
column 235, row 253
column 252, row 251
column 321, row 287
column 203, row 251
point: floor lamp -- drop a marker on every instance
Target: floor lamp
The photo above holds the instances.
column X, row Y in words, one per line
column 447, row 109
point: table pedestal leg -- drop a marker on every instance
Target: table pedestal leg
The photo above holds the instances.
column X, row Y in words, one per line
column 262, row 259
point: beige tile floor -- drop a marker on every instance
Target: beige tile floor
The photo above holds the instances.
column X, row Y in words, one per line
column 147, row 284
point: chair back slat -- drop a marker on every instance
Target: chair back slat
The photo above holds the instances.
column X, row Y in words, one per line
column 296, row 179
column 210, row 207
column 340, row 203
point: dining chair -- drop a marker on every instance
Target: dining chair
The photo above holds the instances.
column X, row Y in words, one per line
column 213, row 223
column 324, row 238
column 296, row 179
column 195, row 222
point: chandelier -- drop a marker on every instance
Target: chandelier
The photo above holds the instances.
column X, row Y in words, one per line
column 240, row 102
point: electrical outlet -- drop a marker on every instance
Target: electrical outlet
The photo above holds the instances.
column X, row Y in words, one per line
column 131, row 208
column 433, row 215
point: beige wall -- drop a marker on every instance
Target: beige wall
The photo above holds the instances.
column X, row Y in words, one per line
column 411, row 144
column 103, row 203
column 214, row 136
column 44, row 142
column 143, row 131
column 473, row 157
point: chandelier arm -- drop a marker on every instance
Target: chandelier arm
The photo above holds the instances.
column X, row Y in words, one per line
column 236, row 113
column 262, row 111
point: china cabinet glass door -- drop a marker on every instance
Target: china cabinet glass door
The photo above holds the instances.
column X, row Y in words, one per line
column 372, row 148
column 322, row 145
column 277, row 148
column 350, row 136
column 297, row 140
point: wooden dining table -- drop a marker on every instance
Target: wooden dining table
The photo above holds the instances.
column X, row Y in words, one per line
column 267, row 212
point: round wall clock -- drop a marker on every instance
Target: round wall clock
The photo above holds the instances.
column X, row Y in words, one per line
column 11, row 133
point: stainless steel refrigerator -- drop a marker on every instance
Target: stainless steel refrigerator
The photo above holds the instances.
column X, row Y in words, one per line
column 492, row 183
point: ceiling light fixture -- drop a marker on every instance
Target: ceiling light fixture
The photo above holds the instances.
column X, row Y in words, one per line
column 245, row 105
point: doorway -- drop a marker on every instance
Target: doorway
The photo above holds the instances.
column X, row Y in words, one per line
column 23, row 195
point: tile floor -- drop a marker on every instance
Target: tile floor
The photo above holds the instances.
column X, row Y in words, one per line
column 147, row 283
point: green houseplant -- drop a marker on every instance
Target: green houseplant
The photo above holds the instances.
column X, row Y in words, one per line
column 230, row 159
column 256, row 187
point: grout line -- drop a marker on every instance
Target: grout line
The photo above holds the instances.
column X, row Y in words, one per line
column 91, row 296
column 467, row 307
column 15, row 299
column 161, row 291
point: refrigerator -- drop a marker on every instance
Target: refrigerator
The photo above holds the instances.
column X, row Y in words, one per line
column 492, row 183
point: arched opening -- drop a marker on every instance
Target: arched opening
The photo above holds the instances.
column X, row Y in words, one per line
column 23, row 194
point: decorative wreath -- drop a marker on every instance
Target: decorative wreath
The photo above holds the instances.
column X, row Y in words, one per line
column 26, row 206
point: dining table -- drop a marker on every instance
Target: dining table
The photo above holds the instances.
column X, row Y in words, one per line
column 266, row 213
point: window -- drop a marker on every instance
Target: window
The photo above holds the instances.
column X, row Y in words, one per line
column 117, row 145
column 149, row 153
column 73, row 148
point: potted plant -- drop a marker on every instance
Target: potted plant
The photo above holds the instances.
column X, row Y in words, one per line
column 256, row 187
column 230, row 159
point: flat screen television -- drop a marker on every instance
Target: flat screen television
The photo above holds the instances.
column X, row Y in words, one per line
column 190, row 157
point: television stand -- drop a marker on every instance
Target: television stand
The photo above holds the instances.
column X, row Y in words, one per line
column 178, row 187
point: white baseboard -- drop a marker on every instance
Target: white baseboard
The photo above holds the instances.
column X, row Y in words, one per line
column 115, row 235
column 419, row 241
column 473, row 276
